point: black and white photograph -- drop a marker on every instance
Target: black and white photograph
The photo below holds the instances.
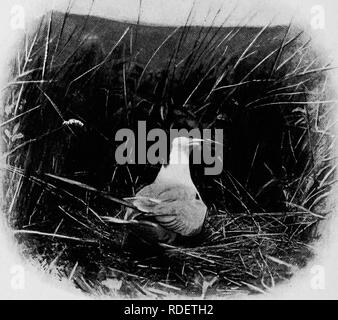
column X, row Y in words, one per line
column 166, row 150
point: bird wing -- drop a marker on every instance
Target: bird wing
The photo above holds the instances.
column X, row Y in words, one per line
column 183, row 217
column 155, row 194
column 175, row 208
column 150, row 231
column 166, row 192
column 177, row 217
column 143, row 203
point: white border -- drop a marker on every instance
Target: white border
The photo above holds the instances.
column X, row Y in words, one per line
column 38, row 286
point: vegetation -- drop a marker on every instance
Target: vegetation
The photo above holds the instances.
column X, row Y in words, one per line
column 76, row 80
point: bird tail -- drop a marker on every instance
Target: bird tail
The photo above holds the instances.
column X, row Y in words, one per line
column 149, row 231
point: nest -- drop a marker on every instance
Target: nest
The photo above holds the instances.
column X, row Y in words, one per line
column 72, row 89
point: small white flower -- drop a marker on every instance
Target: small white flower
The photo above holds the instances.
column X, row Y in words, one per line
column 73, row 122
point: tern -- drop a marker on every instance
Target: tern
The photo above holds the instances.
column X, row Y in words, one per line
column 171, row 206
column 172, row 199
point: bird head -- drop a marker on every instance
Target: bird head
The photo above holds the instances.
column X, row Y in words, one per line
column 185, row 144
column 181, row 147
column 177, row 170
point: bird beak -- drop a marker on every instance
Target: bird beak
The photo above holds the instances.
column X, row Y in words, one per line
column 195, row 142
